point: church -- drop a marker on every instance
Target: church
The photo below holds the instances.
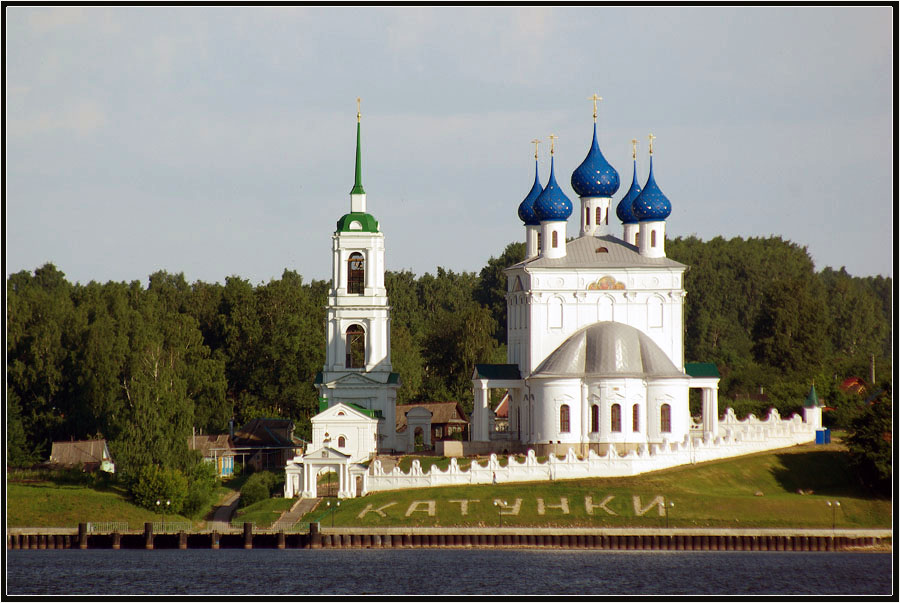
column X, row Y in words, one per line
column 595, row 325
column 595, row 348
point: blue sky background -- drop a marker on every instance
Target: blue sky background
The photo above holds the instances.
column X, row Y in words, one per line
column 219, row 141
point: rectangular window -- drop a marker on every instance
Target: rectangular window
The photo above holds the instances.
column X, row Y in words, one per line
column 564, row 418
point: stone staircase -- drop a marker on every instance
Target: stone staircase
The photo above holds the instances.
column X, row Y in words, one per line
column 297, row 510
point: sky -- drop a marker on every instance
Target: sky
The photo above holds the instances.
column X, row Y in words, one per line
column 219, row 141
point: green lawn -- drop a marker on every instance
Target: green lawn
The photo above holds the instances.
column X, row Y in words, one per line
column 45, row 504
column 264, row 513
column 38, row 503
column 754, row 491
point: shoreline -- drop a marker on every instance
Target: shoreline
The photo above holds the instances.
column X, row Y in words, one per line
column 317, row 537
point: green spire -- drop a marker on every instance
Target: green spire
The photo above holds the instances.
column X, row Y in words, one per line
column 812, row 400
column 357, row 185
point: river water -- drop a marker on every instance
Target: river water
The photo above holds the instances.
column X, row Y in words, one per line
column 297, row 572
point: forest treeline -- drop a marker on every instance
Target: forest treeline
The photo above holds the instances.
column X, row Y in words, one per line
column 144, row 365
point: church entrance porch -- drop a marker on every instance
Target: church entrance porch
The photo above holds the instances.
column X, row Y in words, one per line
column 302, row 475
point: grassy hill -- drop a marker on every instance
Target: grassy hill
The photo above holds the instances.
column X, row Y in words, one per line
column 760, row 490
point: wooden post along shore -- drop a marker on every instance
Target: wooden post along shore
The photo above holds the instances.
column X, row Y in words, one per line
column 613, row 539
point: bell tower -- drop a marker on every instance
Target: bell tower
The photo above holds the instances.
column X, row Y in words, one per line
column 358, row 367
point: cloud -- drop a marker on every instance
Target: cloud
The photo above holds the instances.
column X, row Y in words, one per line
column 81, row 117
column 51, row 19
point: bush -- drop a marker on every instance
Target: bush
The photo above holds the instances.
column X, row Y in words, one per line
column 152, row 483
column 259, row 486
column 201, row 489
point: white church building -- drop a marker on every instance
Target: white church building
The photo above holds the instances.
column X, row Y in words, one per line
column 595, row 325
column 595, row 351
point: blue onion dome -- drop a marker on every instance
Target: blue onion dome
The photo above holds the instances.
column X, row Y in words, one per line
column 624, row 209
column 595, row 177
column 526, row 207
column 552, row 205
column 651, row 205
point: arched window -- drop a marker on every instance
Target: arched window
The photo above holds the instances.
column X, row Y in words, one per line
column 356, row 347
column 615, row 418
column 655, row 311
column 665, row 418
column 356, row 273
column 555, row 239
column 587, row 216
column 555, row 313
column 539, row 242
column 599, row 217
column 595, row 418
column 636, row 417
column 564, row 418
column 636, row 235
column 342, row 441
column 605, row 307
column 652, row 238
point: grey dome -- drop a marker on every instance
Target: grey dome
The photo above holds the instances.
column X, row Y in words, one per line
column 608, row 349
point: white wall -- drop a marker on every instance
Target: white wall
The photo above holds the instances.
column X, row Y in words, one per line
column 738, row 438
column 532, row 317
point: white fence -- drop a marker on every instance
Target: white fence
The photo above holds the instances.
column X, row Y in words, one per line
column 736, row 438
column 107, row 527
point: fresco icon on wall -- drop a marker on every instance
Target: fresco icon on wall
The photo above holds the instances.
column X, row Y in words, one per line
column 605, row 283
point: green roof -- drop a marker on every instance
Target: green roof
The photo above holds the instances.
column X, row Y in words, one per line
column 394, row 378
column 812, row 400
column 375, row 414
column 701, row 369
column 497, row 371
column 367, row 222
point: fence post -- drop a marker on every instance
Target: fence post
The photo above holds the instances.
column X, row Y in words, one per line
column 315, row 537
column 82, row 535
column 248, row 535
column 148, row 536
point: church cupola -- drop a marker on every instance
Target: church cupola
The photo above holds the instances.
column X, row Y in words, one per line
column 651, row 207
column 552, row 209
column 624, row 210
column 526, row 211
column 595, row 181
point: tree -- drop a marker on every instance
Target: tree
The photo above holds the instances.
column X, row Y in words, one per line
column 39, row 340
column 790, row 330
column 491, row 289
column 869, row 445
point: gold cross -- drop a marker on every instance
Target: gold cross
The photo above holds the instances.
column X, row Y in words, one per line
column 651, row 143
column 595, row 98
column 535, row 142
column 358, row 114
column 552, row 137
column 634, row 148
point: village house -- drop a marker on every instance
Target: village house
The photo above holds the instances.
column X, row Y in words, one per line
column 448, row 421
column 266, row 444
column 87, row 455
column 216, row 449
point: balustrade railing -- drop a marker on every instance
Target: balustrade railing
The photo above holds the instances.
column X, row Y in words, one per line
column 107, row 527
column 171, row 527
